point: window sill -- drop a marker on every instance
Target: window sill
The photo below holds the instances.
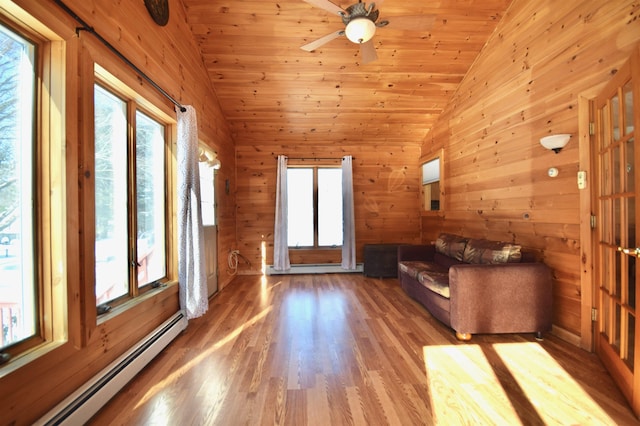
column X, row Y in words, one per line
column 29, row 356
column 171, row 286
column 337, row 248
column 45, row 348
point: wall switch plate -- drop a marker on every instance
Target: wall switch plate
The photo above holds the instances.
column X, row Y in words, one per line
column 582, row 179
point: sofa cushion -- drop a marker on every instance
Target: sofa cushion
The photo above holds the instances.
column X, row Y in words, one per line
column 445, row 261
column 436, row 281
column 490, row 252
column 451, row 245
column 413, row 267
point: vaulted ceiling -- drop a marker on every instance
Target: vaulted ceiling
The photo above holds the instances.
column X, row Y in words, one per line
column 272, row 91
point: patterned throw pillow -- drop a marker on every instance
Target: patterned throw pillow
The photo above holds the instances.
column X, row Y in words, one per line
column 451, row 245
column 484, row 252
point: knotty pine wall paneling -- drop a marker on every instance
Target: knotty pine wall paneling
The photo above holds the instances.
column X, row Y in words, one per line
column 386, row 197
column 524, row 85
column 169, row 56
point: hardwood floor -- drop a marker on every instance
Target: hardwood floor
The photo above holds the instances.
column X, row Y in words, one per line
column 347, row 349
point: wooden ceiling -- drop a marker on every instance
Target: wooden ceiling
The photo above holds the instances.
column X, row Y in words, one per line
column 271, row 91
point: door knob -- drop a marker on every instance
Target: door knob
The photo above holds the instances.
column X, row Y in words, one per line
column 630, row 251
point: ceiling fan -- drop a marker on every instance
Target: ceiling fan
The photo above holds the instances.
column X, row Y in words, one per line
column 361, row 21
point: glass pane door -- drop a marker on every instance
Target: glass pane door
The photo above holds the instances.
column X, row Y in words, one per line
column 617, row 246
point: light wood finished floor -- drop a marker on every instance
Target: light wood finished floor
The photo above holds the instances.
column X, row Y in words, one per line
column 347, row 349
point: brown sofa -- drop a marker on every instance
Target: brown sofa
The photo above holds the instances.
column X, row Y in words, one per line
column 478, row 286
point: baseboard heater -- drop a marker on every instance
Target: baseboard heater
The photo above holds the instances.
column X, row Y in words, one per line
column 79, row 407
column 320, row 268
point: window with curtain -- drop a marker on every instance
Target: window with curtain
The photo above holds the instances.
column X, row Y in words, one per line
column 130, row 198
column 315, row 207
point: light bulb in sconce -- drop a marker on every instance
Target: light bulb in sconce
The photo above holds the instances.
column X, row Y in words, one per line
column 555, row 142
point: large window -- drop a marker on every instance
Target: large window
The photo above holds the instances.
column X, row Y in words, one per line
column 18, row 302
column 314, row 207
column 130, row 197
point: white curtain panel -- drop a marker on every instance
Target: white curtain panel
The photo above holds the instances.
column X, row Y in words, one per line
column 191, row 256
column 348, row 216
column 280, row 237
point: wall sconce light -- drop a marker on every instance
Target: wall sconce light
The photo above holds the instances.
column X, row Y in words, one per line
column 555, row 142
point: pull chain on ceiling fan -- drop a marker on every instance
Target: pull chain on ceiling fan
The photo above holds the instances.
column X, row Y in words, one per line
column 360, row 26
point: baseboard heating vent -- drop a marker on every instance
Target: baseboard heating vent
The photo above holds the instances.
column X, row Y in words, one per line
column 80, row 406
column 320, row 268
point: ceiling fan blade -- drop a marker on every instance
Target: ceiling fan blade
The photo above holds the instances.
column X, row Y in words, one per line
column 368, row 52
column 326, row 5
column 411, row 22
column 321, row 41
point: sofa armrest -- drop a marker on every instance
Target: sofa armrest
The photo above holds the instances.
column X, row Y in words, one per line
column 416, row 252
column 505, row 298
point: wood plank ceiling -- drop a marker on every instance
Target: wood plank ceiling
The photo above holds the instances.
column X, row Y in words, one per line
column 273, row 92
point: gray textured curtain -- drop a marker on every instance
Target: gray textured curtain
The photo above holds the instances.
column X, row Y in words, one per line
column 348, row 216
column 280, row 236
column 191, row 257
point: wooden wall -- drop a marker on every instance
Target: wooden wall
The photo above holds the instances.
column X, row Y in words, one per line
column 526, row 84
column 169, row 55
column 386, row 195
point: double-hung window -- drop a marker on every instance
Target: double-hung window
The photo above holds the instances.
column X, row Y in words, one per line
column 314, row 207
column 130, row 197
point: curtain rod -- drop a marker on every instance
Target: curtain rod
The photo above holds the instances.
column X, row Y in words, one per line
column 316, row 158
column 90, row 29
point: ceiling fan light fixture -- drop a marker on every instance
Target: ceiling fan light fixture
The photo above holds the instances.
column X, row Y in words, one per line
column 360, row 30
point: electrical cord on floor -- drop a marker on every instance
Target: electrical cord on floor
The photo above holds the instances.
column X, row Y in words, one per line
column 232, row 261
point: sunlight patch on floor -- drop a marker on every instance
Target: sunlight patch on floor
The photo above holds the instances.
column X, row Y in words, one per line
column 509, row 383
column 179, row 372
column 464, row 388
column 558, row 398
column 162, row 413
